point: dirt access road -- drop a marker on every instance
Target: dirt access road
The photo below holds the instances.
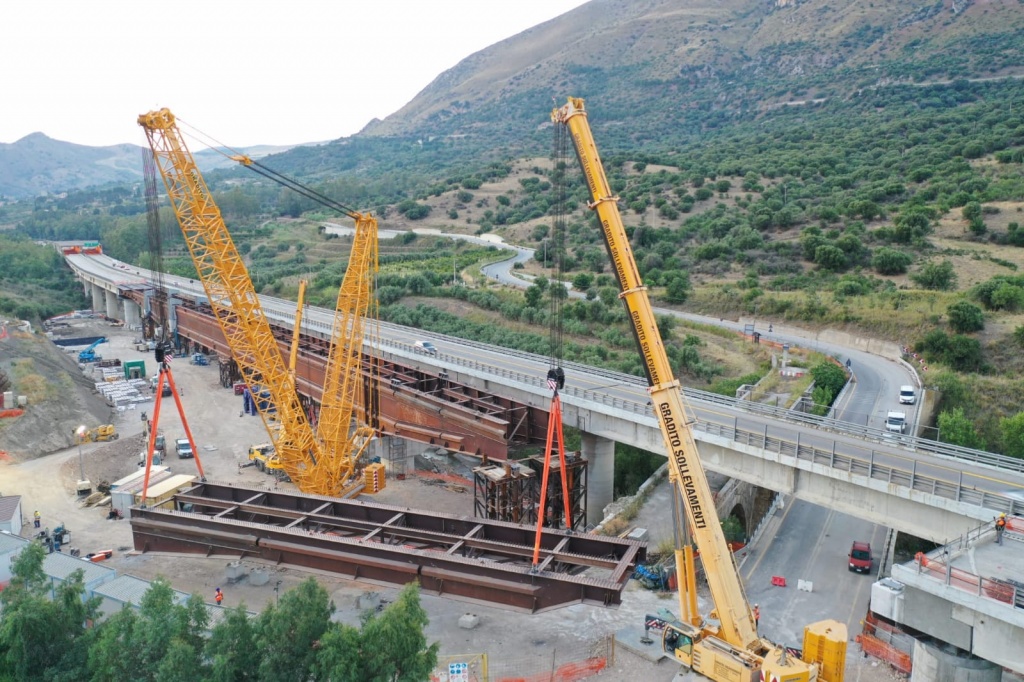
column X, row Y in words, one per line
column 515, row 643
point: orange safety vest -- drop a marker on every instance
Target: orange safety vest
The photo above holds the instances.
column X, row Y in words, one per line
column 219, row 597
column 1000, row 523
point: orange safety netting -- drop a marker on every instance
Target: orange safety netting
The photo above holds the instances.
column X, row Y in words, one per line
column 965, row 580
column 872, row 646
column 569, row 672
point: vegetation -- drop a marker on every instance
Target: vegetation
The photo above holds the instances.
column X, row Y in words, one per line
column 871, row 208
column 60, row 639
column 34, row 284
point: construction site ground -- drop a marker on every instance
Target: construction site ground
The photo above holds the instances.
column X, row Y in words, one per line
column 516, row 644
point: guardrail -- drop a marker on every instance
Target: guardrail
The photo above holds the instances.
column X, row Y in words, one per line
column 938, row 565
column 861, row 460
column 866, row 465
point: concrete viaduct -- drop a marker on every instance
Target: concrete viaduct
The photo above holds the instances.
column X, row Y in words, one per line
column 920, row 487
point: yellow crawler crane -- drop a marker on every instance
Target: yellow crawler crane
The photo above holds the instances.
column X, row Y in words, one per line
column 322, row 462
column 725, row 647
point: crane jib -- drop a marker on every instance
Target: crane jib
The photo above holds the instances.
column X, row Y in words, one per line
column 620, row 266
column 645, row 348
column 682, row 464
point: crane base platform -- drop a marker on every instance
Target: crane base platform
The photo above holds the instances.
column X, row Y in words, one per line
column 471, row 559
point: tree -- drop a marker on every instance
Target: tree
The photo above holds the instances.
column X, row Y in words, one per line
column 932, row 275
column 340, row 658
column 964, row 354
column 582, row 281
column 394, row 646
column 232, row 650
column 115, row 654
column 1018, row 336
column 971, row 211
column 888, row 261
column 822, row 398
column 43, row 638
column 829, row 376
column 965, row 317
column 830, row 257
column 723, row 186
column 678, row 289
column 533, row 295
column 1012, row 430
column 288, row 633
column 957, row 429
column 1007, row 297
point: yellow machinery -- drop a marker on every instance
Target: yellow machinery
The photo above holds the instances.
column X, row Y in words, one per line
column 266, row 459
column 321, row 462
column 104, row 433
column 725, row 646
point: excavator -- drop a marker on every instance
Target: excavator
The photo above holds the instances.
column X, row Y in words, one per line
column 724, row 645
column 321, row 461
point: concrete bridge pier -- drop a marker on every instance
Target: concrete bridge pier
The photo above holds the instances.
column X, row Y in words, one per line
column 132, row 313
column 600, row 455
column 113, row 309
column 98, row 300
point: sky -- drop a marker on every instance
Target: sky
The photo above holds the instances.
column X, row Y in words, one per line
column 243, row 73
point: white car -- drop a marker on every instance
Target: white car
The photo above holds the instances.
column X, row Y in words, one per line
column 426, row 347
column 907, row 395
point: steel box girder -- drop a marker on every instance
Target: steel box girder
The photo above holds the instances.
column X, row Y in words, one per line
column 473, row 559
column 405, row 409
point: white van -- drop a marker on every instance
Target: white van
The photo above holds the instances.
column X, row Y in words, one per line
column 907, row 395
column 896, row 422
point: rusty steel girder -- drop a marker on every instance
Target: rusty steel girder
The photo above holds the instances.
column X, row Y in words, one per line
column 464, row 558
column 411, row 404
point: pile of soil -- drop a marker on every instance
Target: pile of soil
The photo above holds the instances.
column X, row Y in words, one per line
column 49, row 424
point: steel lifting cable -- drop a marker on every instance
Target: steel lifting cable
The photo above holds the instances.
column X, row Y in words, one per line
column 269, row 173
column 556, row 240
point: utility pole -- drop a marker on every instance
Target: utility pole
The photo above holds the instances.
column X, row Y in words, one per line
column 80, row 433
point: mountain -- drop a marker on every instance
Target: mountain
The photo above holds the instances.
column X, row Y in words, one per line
column 37, row 164
column 666, row 62
column 665, row 74
column 657, row 74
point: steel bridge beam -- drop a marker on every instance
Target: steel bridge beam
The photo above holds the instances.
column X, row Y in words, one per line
column 464, row 558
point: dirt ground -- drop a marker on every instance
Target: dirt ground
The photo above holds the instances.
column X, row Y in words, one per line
column 514, row 642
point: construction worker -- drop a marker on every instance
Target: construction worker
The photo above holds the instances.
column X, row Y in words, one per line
column 36, row 519
column 1000, row 527
column 218, row 596
column 757, row 615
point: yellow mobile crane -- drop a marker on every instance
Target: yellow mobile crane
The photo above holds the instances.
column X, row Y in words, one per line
column 730, row 649
column 320, row 462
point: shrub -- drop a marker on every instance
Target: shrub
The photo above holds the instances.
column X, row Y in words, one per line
column 932, row 275
column 888, row 261
column 965, row 317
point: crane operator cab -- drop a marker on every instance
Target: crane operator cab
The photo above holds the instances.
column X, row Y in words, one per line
column 677, row 643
